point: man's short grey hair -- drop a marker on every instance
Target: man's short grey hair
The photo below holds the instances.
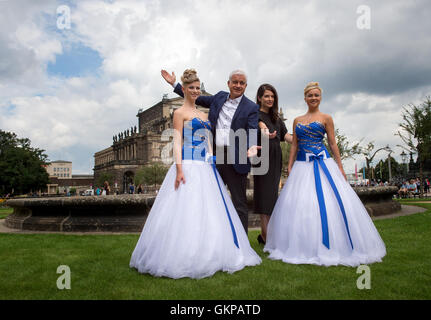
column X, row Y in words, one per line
column 240, row 72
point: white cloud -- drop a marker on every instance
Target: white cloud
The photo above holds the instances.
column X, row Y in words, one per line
column 367, row 76
column 30, row 37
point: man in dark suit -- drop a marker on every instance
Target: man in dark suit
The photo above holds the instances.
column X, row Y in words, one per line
column 234, row 121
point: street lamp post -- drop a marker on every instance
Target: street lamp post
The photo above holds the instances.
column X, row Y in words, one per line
column 404, row 160
column 370, row 159
column 412, row 162
column 389, row 166
column 381, row 170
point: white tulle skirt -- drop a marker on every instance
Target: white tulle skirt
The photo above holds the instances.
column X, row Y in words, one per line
column 295, row 230
column 187, row 232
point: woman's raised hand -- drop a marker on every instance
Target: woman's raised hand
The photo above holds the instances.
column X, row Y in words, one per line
column 170, row 78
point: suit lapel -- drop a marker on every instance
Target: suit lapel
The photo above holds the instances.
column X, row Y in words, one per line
column 219, row 105
column 239, row 109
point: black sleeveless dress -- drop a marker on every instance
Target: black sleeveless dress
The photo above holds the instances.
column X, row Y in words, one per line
column 266, row 186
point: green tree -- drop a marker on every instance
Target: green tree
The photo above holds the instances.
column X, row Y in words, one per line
column 346, row 149
column 22, row 167
column 152, row 174
column 415, row 132
column 72, row 191
column 369, row 154
column 104, row 176
column 382, row 172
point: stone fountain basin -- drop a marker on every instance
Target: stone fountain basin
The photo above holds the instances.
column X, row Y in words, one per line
column 128, row 213
column 379, row 200
column 113, row 213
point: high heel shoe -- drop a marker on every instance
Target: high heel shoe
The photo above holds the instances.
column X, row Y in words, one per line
column 260, row 239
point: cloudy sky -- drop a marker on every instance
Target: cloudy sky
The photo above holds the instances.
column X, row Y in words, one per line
column 74, row 73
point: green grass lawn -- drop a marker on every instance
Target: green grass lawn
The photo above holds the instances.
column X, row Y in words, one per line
column 4, row 212
column 409, row 200
column 99, row 267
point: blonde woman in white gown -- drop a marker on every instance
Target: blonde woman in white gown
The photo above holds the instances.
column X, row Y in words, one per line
column 318, row 218
column 192, row 229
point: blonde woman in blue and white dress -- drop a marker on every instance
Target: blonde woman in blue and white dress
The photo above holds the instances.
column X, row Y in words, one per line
column 318, row 218
column 193, row 229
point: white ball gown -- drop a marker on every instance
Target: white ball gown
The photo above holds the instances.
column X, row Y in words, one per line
column 193, row 231
column 318, row 218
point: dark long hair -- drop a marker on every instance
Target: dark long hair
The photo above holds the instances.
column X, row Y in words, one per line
column 273, row 112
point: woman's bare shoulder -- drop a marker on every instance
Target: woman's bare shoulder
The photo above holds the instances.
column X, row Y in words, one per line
column 299, row 119
column 327, row 118
column 180, row 112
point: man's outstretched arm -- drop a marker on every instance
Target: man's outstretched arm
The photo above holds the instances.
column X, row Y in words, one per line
column 204, row 101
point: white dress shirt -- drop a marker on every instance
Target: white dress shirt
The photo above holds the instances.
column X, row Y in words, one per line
column 224, row 121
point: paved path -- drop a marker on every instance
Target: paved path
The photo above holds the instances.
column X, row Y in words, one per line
column 414, row 202
column 405, row 211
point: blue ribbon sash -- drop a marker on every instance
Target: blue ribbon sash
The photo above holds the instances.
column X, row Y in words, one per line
column 235, row 239
column 318, row 159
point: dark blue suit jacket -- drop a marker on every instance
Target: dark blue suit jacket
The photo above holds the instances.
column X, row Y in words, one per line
column 246, row 117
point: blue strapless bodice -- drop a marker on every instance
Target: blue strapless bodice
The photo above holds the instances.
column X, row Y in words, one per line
column 196, row 133
column 310, row 139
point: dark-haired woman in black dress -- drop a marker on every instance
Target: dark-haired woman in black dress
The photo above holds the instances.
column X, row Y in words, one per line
column 266, row 186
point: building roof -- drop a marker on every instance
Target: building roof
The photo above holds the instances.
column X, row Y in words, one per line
column 166, row 100
column 82, row 176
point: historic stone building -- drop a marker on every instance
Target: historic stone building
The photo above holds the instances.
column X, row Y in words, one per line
column 139, row 146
